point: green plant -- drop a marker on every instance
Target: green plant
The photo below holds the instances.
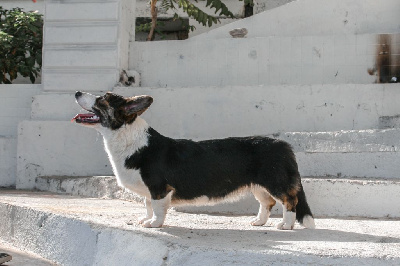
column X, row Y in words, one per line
column 220, row 9
column 21, row 38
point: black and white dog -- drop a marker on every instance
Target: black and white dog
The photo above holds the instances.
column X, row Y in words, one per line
column 178, row 171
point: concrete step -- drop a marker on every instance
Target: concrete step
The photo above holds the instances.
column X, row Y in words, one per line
column 49, row 147
column 327, row 196
column 266, row 109
column 81, row 78
column 57, row 148
column 85, row 186
column 81, row 33
column 75, row 56
column 86, row 231
column 273, row 60
column 82, row 10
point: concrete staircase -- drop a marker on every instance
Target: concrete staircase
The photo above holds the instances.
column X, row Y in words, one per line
column 77, row 231
column 218, row 113
column 340, row 169
column 85, row 42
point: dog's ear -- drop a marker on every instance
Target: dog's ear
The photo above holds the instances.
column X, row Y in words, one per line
column 137, row 105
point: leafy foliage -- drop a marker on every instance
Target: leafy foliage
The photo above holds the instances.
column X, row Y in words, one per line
column 146, row 27
column 21, row 38
column 194, row 12
column 202, row 17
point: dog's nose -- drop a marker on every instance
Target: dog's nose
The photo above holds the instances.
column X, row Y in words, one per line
column 78, row 94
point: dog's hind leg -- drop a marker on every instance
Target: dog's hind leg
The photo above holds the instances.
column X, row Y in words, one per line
column 266, row 204
column 289, row 202
column 160, row 208
column 149, row 211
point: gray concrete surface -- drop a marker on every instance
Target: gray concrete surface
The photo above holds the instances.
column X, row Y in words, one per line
column 22, row 258
column 78, row 231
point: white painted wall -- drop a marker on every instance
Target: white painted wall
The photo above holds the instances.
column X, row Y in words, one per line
column 339, row 59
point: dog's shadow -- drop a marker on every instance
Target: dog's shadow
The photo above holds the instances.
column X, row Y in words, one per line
column 267, row 237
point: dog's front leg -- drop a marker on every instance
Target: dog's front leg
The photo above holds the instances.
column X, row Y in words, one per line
column 149, row 211
column 160, row 208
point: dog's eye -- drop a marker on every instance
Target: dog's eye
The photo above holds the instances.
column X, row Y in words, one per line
column 101, row 99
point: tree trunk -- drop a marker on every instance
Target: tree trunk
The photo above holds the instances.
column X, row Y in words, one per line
column 153, row 10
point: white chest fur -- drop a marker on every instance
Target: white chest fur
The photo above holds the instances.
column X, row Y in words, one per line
column 122, row 143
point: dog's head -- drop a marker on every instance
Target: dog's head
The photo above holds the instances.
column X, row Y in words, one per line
column 110, row 110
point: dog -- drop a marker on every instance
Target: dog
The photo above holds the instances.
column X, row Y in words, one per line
column 170, row 171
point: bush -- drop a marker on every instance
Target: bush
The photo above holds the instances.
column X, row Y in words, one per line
column 21, row 39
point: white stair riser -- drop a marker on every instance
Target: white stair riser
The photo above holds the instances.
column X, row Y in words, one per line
column 362, row 164
column 79, row 79
column 105, row 57
column 58, row 148
column 331, row 59
column 81, row 33
column 72, row 11
column 47, row 148
column 330, row 198
column 239, row 110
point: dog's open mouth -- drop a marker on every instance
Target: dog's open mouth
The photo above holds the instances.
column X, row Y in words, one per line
column 89, row 118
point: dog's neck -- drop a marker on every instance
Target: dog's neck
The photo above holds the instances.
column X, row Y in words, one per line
column 126, row 140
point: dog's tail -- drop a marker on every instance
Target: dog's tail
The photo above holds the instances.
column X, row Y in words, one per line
column 303, row 212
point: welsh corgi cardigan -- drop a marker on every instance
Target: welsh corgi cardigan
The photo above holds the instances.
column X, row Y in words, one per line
column 179, row 171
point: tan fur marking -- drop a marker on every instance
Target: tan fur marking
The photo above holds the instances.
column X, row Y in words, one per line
column 272, row 203
column 170, row 188
column 290, row 200
column 293, row 192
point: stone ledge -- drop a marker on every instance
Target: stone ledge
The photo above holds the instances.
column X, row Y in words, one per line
column 77, row 231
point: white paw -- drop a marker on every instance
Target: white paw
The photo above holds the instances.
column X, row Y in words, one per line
column 308, row 222
column 152, row 223
column 257, row 222
column 284, row 226
column 143, row 219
